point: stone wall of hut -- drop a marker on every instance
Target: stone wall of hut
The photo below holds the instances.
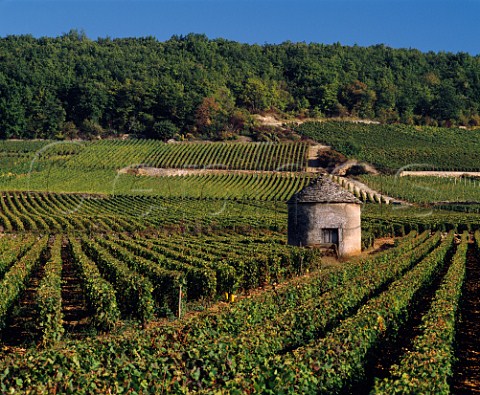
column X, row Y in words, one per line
column 306, row 222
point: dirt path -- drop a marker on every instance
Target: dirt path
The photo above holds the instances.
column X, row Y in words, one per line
column 439, row 173
column 22, row 326
column 395, row 347
column 75, row 312
column 343, row 168
column 466, row 373
column 312, row 157
column 271, row 120
column 159, row 172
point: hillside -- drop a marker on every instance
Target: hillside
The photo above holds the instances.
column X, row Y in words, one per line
column 393, row 148
column 72, row 86
column 253, row 171
column 138, row 266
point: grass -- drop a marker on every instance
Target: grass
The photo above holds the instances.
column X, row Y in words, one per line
column 426, row 189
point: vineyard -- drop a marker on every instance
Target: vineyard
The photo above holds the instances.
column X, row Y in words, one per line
column 41, row 213
column 117, row 154
column 248, row 346
column 50, row 212
column 425, row 190
column 139, row 277
column 394, row 147
column 115, row 281
column 267, row 171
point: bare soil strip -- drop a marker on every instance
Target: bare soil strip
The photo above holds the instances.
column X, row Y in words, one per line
column 168, row 172
column 313, row 164
column 343, row 168
column 22, row 326
column 393, row 348
column 466, row 373
column 75, row 311
column 439, row 173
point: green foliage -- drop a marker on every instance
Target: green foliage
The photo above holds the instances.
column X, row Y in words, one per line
column 236, row 348
column 166, row 282
column 394, row 220
column 348, row 148
column 426, row 189
column 164, row 130
column 400, row 147
column 368, row 238
column 427, row 368
column 15, row 280
column 201, row 281
column 133, row 291
column 132, row 85
column 208, row 234
column 97, row 213
column 328, row 365
column 49, row 296
column 13, row 248
column 293, row 318
column 234, row 263
column 94, row 167
column 100, row 294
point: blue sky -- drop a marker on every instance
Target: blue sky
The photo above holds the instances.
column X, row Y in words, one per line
column 445, row 25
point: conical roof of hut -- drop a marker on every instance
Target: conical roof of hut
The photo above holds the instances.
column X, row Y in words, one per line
column 323, row 190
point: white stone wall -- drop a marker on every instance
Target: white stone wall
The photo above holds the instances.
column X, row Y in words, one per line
column 306, row 221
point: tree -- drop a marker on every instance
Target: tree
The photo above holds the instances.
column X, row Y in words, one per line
column 215, row 114
column 128, row 85
column 359, row 99
column 448, row 103
column 256, row 95
column 87, row 100
column 12, row 113
column 46, row 114
column 164, row 130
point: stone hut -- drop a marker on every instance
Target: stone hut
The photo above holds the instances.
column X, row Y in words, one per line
column 322, row 214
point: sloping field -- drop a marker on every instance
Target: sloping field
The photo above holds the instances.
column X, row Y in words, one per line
column 301, row 338
column 184, row 283
column 117, row 154
column 400, row 147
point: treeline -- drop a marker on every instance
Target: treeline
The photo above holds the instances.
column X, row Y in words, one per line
column 72, row 86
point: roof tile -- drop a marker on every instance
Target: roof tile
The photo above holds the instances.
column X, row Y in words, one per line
column 323, row 190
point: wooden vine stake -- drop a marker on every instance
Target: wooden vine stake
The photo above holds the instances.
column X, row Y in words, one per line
column 180, row 302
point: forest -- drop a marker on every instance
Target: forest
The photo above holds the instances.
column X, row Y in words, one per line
column 72, row 86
